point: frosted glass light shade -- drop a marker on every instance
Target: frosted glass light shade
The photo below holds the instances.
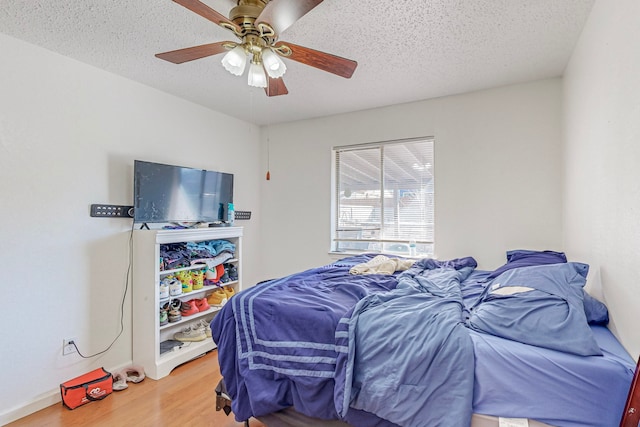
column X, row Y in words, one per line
column 257, row 78
column 235, row 61
column 273, row 64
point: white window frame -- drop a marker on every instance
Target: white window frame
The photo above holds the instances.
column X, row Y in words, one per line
column 425, row 245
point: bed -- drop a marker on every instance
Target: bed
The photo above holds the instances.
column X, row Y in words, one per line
column 439, row 343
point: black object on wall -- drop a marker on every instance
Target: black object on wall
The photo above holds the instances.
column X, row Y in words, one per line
column 243, row 215
column 111, row 211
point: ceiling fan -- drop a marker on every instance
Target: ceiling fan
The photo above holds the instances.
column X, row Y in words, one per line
column 257, row 23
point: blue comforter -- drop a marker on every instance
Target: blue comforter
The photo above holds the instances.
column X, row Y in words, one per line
column 405, row 355
column 277, row 340
column 375, row 350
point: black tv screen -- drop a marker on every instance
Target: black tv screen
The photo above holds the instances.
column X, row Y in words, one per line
column 166, row 193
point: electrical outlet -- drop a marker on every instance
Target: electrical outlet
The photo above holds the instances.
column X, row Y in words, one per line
column 68, row 347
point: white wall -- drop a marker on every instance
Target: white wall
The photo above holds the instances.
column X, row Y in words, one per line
column 602, row 156
column 68, row 136
column 497, row 174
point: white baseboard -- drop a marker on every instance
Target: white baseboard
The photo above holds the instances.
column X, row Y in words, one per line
column 48, row 399
column 43, row 401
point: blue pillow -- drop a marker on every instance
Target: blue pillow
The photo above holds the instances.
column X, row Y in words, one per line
column 541, row 305
column 526, row 258
column 596, row 311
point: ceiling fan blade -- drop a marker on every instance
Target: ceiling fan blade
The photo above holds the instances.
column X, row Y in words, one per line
column 281, row 14
column 206, row 12
column 275, row 87
column 324, row 61
column 190, row 53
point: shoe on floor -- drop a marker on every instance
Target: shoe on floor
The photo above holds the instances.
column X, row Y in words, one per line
column 133, row 373
column 119, row 381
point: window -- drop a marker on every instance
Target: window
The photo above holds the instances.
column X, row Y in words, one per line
column 383, row 198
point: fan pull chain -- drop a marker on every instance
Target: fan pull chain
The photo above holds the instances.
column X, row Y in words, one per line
column 268, row 158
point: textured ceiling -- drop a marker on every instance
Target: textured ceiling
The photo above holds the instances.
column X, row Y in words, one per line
column 407, row 50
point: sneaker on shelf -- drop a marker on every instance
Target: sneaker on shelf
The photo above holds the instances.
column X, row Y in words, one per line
column 197, row 279
column 204, row 324
column 185, row 279
column 202, row 304
column 190, row 334
column 175, row 287
column 174, row 311
column 164, row 289
column 229, row 291
column 165, row 307
column 174, row 316
column 233, row 272
column 225, row 276
column 217, row 298
column 188, row 308
column 164, row 316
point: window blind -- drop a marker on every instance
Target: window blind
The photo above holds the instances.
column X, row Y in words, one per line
column 384, row 197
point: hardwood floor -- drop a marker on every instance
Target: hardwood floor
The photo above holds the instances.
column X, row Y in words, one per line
column 185, row 398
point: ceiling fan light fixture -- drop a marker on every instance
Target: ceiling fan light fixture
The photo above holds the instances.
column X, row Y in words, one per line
column 273, row 64
column 257, row 25
column 235, row 61
column 257, row 77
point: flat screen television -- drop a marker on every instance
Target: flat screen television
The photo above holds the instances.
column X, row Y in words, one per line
column 166, row 193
